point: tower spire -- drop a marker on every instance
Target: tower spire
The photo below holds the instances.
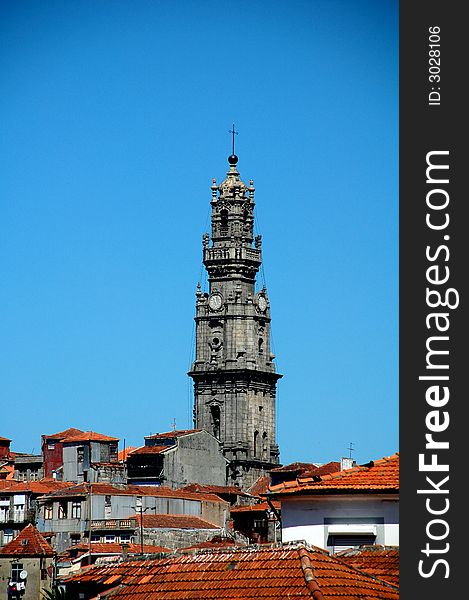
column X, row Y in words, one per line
column 234, row 371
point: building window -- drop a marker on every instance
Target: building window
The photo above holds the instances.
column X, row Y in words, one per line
column 51, row 446
column 48, row 510
column 7, row 536
column 74, row 539
column 62, row 514
column 113, row 456
column 95, row 538
column 337, row 542
column 16, row 569
column 125, row 538
column 76, row 509
column 109, row 539
column 18, row 514
column 215, row 414
column 224, row 222
column 256, row 435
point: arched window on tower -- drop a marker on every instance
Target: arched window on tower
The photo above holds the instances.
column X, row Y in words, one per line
column 256, row 443
column 224, row 222
column 264, row 446
column 215, row 415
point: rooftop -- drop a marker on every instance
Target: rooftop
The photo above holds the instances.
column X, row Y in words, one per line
column 171, row 434
column 295, row 571
column 109, row 549
column 378, row 561
column 122, row 454
column 149, row 450
column 376, row 476
column 174, row 522
column 261, row 507
column 63, row 435
column 29, row 542
column 107, row 489
column 43, row 486
column 231, row 490
column 89, row 436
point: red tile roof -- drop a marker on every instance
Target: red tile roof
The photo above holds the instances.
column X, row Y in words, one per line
column 29, row 542
column 231, row 490
column 122, row 454
column 216, row 542
column 295, row 466
column 171, row 434
column 379, row 561
column 377, row 476
column 261, row 507
column 248, row 573
column 260, row 486
column 63, row 435
column 2, row 439
column 90, row 436
column 107, row 489
column 102, row 548
column 150, row 450
column 43, row 486
column 174, row 522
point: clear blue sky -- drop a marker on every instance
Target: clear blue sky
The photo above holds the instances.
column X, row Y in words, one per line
column 114, row 120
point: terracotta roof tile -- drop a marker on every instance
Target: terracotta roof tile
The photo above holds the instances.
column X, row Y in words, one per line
column 90, row 436
column 150, row 450
column 216, row 542
column 107, row 489
column 262, row 506
column 174, row 522
column 260, row 486
column 231, row 490
column 379, row 475
column 122, row 454
column 29, row 542
column 295, row 467
column 293, row 572
column 63, row 435
column 43, row 486
column 171, row 434
column 379, row 561
column 108, row 549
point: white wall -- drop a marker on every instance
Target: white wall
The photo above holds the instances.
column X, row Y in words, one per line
column 308, row 518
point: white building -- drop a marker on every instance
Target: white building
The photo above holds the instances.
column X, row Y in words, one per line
column 349, row 508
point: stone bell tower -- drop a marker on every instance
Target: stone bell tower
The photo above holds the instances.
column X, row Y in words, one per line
column 234, row 371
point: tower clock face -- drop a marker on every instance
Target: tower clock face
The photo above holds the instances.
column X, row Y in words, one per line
column 215, row 301
column 262, row 303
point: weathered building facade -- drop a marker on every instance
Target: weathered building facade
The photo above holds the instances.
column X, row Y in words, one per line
column 101, row 512
column 234, row 372
column 177, row 458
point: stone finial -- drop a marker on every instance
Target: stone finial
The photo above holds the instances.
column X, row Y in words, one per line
column 214, row 188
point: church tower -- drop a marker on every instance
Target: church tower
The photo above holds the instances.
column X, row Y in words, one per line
column 234, row 371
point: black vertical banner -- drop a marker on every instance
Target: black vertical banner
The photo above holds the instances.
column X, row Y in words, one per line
column 434, row 362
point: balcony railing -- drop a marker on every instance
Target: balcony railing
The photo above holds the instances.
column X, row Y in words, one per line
column 113, row 524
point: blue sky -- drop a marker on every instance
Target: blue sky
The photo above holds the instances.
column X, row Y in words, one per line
column 114, row 120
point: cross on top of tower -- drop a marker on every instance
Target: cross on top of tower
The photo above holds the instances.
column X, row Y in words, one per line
column 233, row 159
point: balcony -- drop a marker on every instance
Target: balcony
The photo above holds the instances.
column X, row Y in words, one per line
column 103, row 524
